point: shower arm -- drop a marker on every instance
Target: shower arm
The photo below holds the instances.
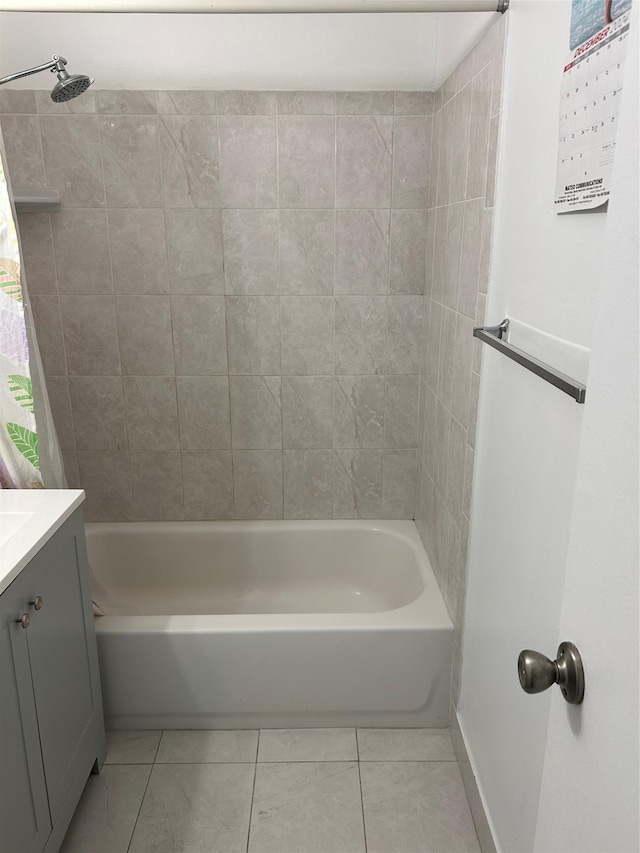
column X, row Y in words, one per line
column 56, row 63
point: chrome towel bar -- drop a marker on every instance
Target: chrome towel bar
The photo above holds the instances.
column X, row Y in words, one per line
column 495, row 336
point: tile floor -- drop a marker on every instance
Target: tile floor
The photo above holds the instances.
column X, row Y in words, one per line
column 276, row 791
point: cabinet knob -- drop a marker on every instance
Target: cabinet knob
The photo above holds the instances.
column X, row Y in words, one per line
column 37, row 602
column 25, row 620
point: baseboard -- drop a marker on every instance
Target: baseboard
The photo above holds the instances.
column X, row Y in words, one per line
column 485, row 837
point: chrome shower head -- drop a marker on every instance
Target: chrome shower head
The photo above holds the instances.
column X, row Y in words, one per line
column 69, row 85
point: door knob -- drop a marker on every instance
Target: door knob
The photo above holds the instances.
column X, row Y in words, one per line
column 25, row 620
column 537, row 673
column 37, row 602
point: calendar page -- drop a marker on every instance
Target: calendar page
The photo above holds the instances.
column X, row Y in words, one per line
column 590, row 100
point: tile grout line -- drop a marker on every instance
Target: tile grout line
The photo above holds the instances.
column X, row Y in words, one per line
column 253, row 791
column 364, row 826
column 144, row 794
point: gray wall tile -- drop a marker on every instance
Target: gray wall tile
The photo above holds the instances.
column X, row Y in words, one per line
column 203, row 412
column 306, row 103
column 189, row 155
column 361, row 323
column 17, row 101
column 306, row 252
column 364, row 103
column 131, row 160
column 358, row 411
column 98, row 412
column 248, row 161
column 60, row 401
column 126, row 102
column 307, row 334
column 308, row 483
column 307, row 412
column 411, row 154
column 156, row 480
column 81, row 245
column 21, row 135
column 404, row 344
column 199, row 335
column 152, row 412
column 401, row 412
column 357, row 484
column 36, row 240
column 106, row 478
column 144, row 332
column 90, row 335
column 460, row 152
column 187, row 103
column 246, row 103
column 251, row 252
column 306, row 161
column 48, row 323
column 194, row 251
column 257, row 483
column 470, row 257
column 398, row 483
column 253, row 335
column 362, row 252
column 207, row 478
column 408, row 251
column 256, row 412
column 73, row 159
column 363, row 168
column 413, row 103
column 71, row 470
column 138, row 251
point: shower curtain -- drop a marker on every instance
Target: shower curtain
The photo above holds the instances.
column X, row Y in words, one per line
column 30, row 456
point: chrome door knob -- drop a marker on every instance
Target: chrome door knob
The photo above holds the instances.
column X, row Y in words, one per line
column 537, row 673
column 37, row 602
column 25, row 620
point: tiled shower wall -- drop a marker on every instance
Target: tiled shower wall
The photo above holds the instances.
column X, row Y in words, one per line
column 229, row 305
column 463, row 164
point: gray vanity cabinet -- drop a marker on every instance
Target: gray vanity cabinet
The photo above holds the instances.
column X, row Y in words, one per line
column 25, row 824
column 53, row 728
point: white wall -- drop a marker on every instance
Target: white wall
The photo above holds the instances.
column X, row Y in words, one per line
column 547, row 273
column 323, row 51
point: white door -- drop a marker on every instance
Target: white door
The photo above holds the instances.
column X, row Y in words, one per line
column 553, row 552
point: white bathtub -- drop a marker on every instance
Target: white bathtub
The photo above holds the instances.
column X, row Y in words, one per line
column 269, row 624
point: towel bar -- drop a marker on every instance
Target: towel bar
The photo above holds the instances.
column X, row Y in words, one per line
column 495, row 336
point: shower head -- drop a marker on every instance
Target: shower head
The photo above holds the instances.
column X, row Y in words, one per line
column 68, row 86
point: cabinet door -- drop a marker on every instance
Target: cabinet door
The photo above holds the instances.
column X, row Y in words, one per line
column 59, row 637
column 24, row 814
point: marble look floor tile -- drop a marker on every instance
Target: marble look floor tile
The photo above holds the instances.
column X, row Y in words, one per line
column 405, row 745
column 208, row 747
column 132, row 747
column 308, row 745
column 416, row 806
column 195, row 808
column 307, row 808
column 107, row 811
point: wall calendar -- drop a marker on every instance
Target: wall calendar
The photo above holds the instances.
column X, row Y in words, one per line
column 591, row 94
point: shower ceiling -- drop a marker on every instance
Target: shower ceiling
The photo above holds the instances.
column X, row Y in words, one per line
column 325, row 51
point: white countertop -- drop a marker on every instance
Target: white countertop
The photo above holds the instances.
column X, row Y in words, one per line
column 28, row 518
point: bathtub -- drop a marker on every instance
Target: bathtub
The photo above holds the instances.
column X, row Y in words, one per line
column 269, row 624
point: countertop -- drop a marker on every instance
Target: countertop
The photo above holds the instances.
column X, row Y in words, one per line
column 28, row 519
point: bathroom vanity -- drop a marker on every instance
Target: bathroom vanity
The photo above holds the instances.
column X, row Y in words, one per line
column 51, row 721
